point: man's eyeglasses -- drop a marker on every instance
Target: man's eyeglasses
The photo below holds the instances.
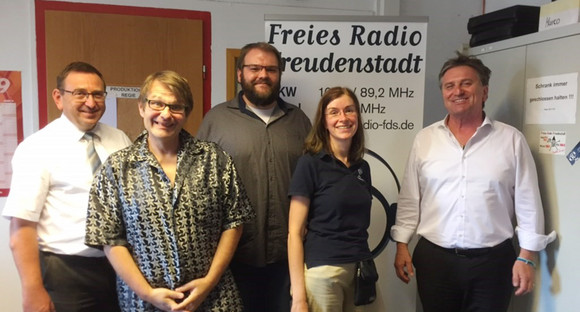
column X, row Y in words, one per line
column 254, row 68
column 159, row 106
column 82, row 95
column 334, row 113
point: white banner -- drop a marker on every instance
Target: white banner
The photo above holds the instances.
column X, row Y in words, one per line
column 383, row 60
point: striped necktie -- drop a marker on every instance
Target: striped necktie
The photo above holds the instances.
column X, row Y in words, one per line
column 91, row 152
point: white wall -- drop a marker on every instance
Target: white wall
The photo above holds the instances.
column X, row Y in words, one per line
column 447, row 32
column 495, row 5
column 17, row 53
column 235, row 23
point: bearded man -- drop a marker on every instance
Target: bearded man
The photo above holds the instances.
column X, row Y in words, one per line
column 265, row 136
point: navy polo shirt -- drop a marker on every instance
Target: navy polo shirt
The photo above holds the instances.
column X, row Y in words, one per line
column 339, row 212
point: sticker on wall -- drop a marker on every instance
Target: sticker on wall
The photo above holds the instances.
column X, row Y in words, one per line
column 553, row 142
column 10, row 123
column 574, row 154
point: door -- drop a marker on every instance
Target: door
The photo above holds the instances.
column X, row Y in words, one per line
column 126, row 44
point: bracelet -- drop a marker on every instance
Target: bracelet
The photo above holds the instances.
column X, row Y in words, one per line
column 527, row 261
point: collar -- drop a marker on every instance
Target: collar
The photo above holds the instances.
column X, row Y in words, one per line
column 324, row 155
column 281, row 108
column 328, row 158
column 487, row 122
column 186, row 143
column 73, row 133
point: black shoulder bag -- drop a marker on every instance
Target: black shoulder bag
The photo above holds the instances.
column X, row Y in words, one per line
column 366, row 278
column 366, row 275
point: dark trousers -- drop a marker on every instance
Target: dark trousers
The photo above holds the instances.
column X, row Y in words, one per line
column 263, row 289
column 79, row 284
column 464, row 281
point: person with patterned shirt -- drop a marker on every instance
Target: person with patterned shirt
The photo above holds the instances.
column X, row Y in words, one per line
column 168, row 210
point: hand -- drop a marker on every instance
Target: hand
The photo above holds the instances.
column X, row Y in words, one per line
column 403, row 263
column 198, row 290
column 163, row 298
column 37, row 301
column 523, row 278
column 299, row 306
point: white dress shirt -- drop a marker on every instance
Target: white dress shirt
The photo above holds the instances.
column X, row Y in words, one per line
column 51, row 180
column 471, row 197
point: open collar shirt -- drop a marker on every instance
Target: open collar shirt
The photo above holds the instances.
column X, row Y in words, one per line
column 265, row 155
column 172, row 232
column 474, row 196
column 51, row 181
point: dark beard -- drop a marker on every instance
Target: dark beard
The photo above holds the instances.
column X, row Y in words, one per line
column 260, row 100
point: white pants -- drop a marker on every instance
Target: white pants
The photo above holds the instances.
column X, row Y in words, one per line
column 330, row 288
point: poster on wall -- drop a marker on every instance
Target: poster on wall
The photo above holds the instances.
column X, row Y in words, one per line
column 552, row 99
column 10, row 124
column 383, row 60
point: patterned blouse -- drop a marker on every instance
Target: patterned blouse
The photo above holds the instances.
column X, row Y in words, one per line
column 172, row 232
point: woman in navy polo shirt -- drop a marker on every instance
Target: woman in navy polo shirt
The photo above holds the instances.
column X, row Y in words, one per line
column 330, row 207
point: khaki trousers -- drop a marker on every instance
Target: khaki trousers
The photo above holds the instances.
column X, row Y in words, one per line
column 330, row 288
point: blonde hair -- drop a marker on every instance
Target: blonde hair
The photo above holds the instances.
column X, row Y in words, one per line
column 177, row 84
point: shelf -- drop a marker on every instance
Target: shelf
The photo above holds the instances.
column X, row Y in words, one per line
column 560, row 32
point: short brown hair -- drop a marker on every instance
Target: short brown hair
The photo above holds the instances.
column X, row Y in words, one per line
column 483, row 72
column 80, row 67
column 266, row 47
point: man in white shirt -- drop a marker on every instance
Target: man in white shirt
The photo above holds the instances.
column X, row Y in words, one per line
column 468, row 181
column 47, row 204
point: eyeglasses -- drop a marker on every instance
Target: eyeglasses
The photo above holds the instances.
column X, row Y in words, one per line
column 82, row 95
column 334, row 113
column 254, row 68
column 159, row 106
